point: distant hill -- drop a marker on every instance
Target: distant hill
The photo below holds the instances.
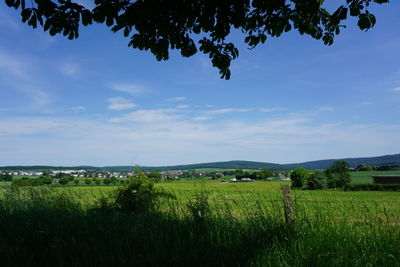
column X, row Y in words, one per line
column 234, row 164
column 354, row 162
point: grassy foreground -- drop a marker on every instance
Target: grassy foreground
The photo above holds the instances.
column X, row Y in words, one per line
column 197, row 225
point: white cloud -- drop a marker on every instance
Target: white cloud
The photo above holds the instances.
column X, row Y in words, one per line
column 70, row 69
column 129, row 88
column 397, row 89
column 227, row 110
column 201, row 118
column 119, row 103
column 182, row 106
column 270, row 109
column 13, row 65
column 20, row 74
column 176, row 99
column 147, row 115
column 172, row 140
column 78, row 108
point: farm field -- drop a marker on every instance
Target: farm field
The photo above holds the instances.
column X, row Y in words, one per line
column 366, row 176
column 200, row 223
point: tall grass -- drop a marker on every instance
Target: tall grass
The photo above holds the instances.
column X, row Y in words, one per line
column 47, row 227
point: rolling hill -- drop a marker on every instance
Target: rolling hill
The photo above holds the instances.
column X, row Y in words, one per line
column 234, row 164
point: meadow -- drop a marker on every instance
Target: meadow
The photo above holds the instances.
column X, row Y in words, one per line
column 198, row 223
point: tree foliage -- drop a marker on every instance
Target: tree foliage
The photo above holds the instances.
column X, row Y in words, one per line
column 6, row 177
column 338, row 175
column 315, row 181
column 161, row 26
column 298, row 177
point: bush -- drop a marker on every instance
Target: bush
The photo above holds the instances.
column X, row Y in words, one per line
column 298, row 177
column 338, row 175
column 199, row 207
column 138, row 195
column 316, row 181
column 6, row 177
column 25, row 181
column 88, row 181
column 63, row 181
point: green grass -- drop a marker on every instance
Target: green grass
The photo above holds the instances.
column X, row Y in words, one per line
column 208, row 224
column 366, row 176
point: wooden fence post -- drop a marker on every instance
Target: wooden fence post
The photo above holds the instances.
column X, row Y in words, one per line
column 288, row 205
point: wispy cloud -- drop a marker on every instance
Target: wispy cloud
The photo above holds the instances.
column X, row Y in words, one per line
column 147, row 115
column 169, row 138
column 182, row 106
column 396, row 89
column 176, row 99
column 129, row 88
column 120, row 103
column 21, row 75
column 201, row 118
column 70, row 69
column 266, row 110
column 227, row 110
column 78, row 108
column 13, row 65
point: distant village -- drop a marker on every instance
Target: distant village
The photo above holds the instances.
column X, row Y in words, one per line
column 92, row 174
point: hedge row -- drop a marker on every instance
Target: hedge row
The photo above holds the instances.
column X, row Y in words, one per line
column 373, row 187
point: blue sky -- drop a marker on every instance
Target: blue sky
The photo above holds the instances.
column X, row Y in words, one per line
column 95, row 101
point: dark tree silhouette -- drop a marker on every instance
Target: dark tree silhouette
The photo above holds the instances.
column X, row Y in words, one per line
column 161, row 25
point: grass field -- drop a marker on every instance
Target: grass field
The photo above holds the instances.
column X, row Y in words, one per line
column 201, row 223
column 366, row 176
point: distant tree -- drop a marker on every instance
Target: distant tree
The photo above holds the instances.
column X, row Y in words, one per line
column 264, row 174
column 63, row 180
column 6, row 177
column 364, row 167
column 315, row 181
column 107, row 181
column 88, row 181
column 340, row 166
column 46, row 173
column 97, row 181
column 76, row 181
column 24, row 181
column 298, row 177
column 47, row 180
column 338, row 175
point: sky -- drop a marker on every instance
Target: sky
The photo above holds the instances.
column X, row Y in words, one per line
column 95, row 101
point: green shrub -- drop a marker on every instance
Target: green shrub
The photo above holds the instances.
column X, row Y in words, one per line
column 63, row 180
column 298, row 177
column 138, row 195
column 315, row 181
column 199, row 208
column 338, row 175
